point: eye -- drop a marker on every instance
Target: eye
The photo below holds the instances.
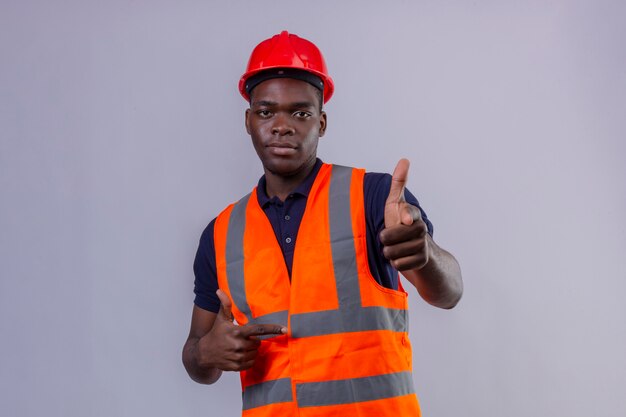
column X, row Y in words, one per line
column 264, row 113
column 302, row 114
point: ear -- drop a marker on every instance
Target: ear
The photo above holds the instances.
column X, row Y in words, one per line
column 323, row 123
column 248, row 121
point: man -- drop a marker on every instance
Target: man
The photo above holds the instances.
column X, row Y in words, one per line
column 321, row 323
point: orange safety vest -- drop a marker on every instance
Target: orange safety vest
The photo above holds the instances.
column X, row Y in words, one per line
column 347, row 351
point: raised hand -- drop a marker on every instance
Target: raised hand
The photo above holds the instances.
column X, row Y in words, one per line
column 230, row 347
column 405, row 237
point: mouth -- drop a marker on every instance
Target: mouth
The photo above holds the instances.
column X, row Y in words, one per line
column 281, row 148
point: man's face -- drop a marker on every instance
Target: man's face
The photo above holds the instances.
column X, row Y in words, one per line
column 285, row 123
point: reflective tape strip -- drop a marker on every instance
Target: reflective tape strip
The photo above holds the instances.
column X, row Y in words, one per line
column 346, row 391
column 321, row 323
column 279, row 317
column 342, row 238
column 268, row 392
column 234, row 256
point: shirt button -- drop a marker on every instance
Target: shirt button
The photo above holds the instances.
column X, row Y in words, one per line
column 288, row 240
column 287, row 217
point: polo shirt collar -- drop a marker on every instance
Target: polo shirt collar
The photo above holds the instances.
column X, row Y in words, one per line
column 303, row 189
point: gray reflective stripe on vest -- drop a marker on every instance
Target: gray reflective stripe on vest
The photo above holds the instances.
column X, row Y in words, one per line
column 320, row 323
column 342, row 238
column 279, row 317
column 346, row 391
column 351, row 316
column 268, row 392
column 234, row 256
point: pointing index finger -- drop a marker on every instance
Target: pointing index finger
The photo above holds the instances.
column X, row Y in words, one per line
column 263, row 329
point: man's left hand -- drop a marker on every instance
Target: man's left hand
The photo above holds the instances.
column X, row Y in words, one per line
column 405, row 237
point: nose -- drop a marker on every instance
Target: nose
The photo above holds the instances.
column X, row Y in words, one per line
column 282, row 126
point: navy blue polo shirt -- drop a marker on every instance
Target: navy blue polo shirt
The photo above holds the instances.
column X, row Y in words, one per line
column 285, row 217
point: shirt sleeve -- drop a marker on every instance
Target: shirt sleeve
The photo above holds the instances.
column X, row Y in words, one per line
column 376, row 188
column 205, row 272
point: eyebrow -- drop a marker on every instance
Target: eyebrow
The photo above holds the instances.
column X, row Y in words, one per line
column 298, row 104
column 302, row 104
column 264, row 103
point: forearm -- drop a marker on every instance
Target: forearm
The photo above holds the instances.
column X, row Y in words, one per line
column 439, row 282
column 200, row 372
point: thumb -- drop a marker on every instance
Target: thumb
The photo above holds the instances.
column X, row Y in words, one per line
column 393, row 216
column 226, row 308
column 398, row 181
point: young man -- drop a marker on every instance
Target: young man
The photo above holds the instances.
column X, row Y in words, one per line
column 321, row 322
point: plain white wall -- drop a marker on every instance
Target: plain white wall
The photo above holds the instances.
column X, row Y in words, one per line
column 121, row 137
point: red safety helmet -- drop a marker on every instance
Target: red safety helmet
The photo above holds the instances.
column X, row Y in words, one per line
column 287, row 51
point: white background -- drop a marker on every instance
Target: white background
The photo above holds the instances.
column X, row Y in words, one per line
column 121, row 137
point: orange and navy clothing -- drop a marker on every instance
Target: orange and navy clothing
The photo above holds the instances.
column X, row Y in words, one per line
column 346, row 351
column 285, row 218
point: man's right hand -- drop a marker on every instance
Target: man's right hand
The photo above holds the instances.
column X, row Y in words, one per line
column 230, row 347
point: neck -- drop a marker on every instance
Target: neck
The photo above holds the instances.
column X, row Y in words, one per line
column 281, row 186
